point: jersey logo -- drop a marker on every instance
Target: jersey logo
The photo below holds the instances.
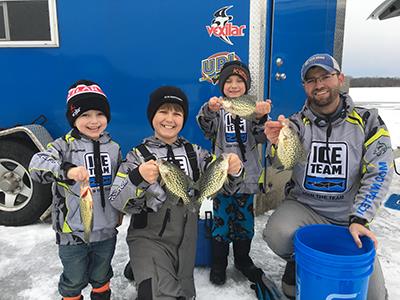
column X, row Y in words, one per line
column 105, row 167
column 327, row 167
column 181, row 162
column 230, row 136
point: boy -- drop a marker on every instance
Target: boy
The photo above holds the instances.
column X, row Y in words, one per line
column 162, row 233
column 85, row 155
column 233, row 215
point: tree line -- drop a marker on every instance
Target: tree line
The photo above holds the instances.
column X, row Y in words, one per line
column 374, row 81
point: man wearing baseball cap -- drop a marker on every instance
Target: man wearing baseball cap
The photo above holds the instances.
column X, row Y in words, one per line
column 348, row 151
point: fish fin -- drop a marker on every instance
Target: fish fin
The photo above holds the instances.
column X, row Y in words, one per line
column 188, row 179
column 304, row 155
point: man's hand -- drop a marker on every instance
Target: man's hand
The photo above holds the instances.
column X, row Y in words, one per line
column 79, row 174
column 149, row 171
column 263, row 108
column 235, row 164
column 272, row 129
column 214, row 104
column 357, row 230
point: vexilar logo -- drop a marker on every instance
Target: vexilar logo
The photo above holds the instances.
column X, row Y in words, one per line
column 222, row 28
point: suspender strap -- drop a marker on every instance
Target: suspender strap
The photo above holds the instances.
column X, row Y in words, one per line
column 192, row 160
column 242, row 148
column 145, row 152
column 191, row 154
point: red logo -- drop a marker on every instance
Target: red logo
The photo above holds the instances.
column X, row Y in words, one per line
column 81, row 89
column 212, row 65
column 222, row 28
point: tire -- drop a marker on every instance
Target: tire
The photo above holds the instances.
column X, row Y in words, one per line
column 22, row 201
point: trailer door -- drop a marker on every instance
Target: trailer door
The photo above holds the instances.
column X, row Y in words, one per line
column 295, row 31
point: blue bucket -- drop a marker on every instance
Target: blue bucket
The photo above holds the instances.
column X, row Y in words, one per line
column 329, row 265
column 203, row 246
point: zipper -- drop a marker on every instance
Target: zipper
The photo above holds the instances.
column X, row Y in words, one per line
column 167, row 218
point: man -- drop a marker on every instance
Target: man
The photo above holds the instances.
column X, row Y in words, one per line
column 346, row 174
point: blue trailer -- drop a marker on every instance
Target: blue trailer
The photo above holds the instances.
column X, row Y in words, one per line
column 130, row 48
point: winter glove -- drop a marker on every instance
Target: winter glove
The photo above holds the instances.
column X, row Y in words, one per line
column 266, row 289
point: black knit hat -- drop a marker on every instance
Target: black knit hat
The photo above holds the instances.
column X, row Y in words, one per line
column 167, row 94
column 85, row 95
column 234, row 67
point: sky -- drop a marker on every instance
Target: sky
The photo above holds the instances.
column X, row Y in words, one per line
column 371, row 47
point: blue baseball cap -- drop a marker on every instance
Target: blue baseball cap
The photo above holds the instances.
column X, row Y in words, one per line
column 323, row 60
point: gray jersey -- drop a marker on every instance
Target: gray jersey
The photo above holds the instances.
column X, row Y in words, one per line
column 219, row 128
column 163, row 232
column 50, row 166
column 349, row 164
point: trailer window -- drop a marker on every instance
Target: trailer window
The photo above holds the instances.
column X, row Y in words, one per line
column 28, row 23
column 2, row 27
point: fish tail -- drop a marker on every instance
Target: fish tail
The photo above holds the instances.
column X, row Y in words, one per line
column 86, row 236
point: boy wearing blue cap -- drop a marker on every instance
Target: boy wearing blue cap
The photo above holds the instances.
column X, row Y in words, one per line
column 349, row 149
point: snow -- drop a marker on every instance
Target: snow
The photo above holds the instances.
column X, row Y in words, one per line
column 30, row 267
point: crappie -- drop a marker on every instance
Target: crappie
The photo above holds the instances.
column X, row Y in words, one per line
column 86, row 209
column 290, row 150
column 213, row 178
column 243, row 106
column 176, row 181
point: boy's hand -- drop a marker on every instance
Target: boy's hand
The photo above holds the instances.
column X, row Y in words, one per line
column 214, row 104
column 235, row 164
column 79, row 174
column 272, row 129
column 263, row 108
column 149, row 171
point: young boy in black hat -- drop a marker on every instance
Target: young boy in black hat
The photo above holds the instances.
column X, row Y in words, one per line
column 233, row 214
column 163, row 231
column 86, row 155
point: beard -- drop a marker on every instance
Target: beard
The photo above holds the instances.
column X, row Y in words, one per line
column 327, row 100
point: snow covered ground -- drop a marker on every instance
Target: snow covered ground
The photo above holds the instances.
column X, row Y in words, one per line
column 29, row 264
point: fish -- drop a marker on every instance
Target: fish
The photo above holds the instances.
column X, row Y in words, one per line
column 290, row 150
column 213, row 178
column 175, row 180
column 86, row 210
column 243, row 106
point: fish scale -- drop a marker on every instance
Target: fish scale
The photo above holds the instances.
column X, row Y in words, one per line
column 243, row 106
column 176, row 181
column 290, row 149
column 213, row 178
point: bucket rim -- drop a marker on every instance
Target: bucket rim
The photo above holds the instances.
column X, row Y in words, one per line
column 325, row 255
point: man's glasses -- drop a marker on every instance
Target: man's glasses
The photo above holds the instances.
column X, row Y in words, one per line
column 323, row 79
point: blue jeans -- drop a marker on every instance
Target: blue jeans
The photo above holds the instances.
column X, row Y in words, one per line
column 83, row 264
column 233, row 217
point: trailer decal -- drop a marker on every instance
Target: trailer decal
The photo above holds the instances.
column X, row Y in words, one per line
column 222, row 28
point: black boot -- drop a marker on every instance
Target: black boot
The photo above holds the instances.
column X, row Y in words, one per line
column 243, row 262
column 220, row 251
column 128, row 272
column 101, row 296
column 289, row 280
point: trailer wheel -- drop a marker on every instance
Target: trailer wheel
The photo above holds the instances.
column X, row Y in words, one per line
column 22, row 201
